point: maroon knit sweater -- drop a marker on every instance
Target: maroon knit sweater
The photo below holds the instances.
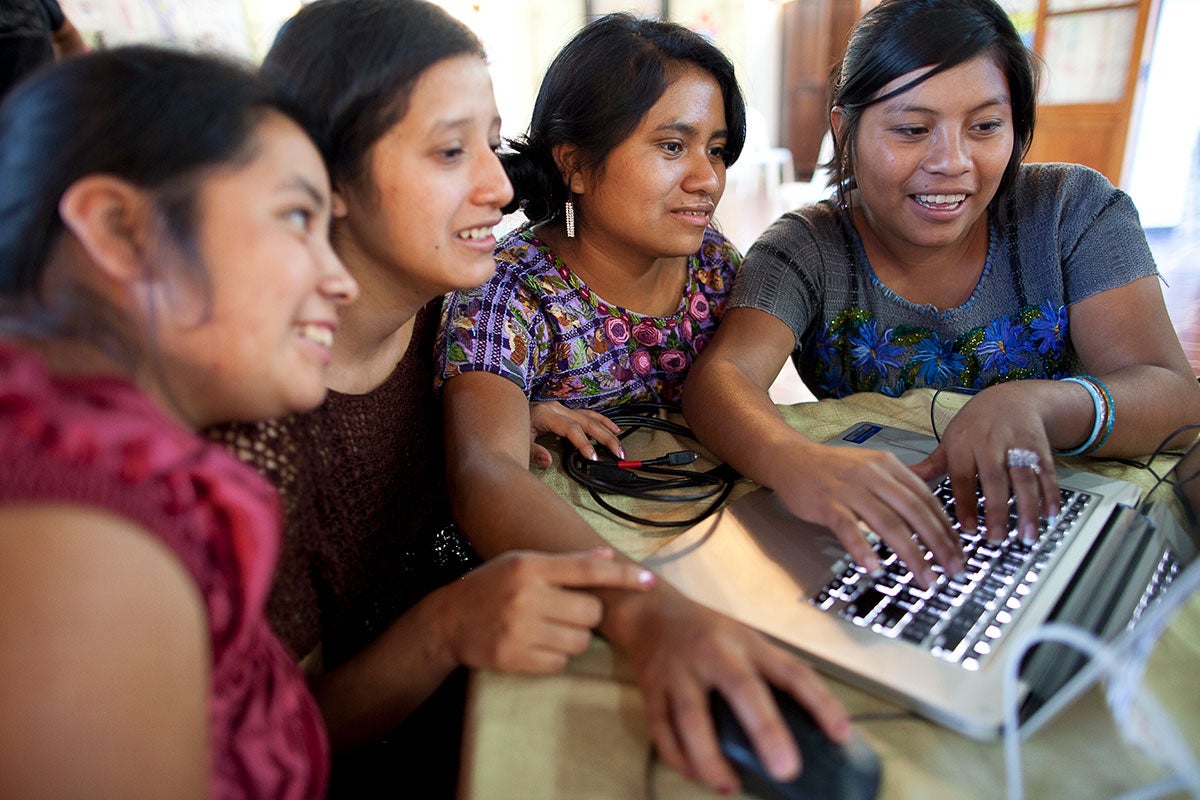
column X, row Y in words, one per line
column 362, row 480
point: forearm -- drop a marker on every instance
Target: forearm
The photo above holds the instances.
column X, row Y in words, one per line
column 736, row 420
column 500, row 505
column 376, row 690
column 1150, row 403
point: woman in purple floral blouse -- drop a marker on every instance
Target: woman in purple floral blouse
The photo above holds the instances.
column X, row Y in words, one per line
column 607, row 297
column 562, row 341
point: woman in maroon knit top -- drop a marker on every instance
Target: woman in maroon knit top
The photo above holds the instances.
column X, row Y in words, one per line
column 402, row 108
column 164, row 265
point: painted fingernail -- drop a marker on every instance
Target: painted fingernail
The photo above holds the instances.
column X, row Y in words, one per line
column 591, row 454
column 645, row 578
column 621, row 452
column 725, row 790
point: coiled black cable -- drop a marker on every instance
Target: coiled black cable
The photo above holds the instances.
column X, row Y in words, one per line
column 656, row 479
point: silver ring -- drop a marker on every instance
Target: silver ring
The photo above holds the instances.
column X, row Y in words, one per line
column 1020, row 457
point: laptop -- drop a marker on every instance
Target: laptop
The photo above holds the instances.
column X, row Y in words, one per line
column 942, row 651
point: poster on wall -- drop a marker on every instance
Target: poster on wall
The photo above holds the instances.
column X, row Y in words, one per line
column 214, row 25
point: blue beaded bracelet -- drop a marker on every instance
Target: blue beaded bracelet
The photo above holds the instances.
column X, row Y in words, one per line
column 1110, row 407
column 1098, row 402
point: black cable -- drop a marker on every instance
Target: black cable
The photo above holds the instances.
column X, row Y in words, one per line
column 655, row 479
column 1159, row 480
column 933, row 405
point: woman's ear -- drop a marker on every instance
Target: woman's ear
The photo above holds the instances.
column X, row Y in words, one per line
column 566, row 156
column 111, row 219
column 837, row 119
column 337, row 205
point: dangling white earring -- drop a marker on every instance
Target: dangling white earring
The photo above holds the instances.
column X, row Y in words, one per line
column 569, row 213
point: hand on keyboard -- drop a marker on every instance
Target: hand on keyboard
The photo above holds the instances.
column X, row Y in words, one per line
column 862, row 494
column 959, row 618
column 974, row 454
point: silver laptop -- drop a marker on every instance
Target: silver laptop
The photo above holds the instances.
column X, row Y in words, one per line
column 939, row 651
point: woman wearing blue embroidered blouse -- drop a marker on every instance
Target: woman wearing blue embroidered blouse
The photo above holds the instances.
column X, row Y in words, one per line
column 606, row 298
column 943, row 261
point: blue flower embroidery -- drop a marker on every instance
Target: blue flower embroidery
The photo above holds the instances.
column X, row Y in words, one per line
column 823, row 345
column 1002, row 349
column 1049, row 329
column 938, row 363
column 833, row 381
column 872, row 352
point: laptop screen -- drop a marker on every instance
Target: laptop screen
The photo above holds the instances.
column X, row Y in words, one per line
column 1179, row 493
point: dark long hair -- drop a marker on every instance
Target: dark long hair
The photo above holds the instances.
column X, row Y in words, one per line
column 156, row 118
column 595, row 93
column 352, row 65
column 899, row 36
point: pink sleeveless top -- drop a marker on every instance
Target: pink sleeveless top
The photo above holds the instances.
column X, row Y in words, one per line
column 99, row 441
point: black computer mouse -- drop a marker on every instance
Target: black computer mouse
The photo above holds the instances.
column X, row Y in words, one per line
column 830, row 771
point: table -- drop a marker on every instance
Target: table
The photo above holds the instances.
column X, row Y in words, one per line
column 581, row 735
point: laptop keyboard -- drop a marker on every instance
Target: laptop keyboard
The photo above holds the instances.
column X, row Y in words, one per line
column 1165, row 572
column 956, row 619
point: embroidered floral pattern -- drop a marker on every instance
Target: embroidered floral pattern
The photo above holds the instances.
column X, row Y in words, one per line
column 539, row 325
column 851, row 354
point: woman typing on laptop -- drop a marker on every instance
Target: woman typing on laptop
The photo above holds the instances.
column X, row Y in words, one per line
column 944, row 261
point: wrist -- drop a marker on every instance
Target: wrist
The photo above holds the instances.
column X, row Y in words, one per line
column 784, row 461
column 1103, row 416
column 437, row 620
column 627, row 613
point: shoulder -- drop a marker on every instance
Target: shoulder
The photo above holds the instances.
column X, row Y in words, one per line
column 809, row 225
column 1049, row 178
column 1062, row 190
column 54, row 546
column 524, row 265
column 101, row 443
column 521, row 251
column 77, row 580
column 528, row 272
column 801, row 240
column 1059, row 205
column 716, row 252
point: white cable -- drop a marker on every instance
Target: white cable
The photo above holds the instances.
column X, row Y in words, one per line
column 1140, row 718
column 1096, row 650
column 1153, row 791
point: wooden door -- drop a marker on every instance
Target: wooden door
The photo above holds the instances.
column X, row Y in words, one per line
column 814, row 34
column 1092, row 55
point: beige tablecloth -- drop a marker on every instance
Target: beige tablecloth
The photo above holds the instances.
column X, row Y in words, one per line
column 581, row 735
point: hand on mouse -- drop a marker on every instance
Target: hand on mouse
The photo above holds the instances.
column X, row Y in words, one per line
column 829, row 770
column 681, row 651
